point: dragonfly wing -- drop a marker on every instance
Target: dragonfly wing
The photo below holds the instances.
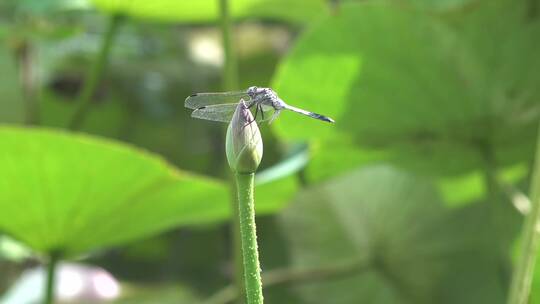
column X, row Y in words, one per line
column 224, row 113
column 200, row 100
column 220, row 112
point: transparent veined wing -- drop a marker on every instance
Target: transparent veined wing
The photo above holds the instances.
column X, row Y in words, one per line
column 199, row 100
column 224, row 112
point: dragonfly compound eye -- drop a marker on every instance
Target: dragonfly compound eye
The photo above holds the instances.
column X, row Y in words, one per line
column 252, row 90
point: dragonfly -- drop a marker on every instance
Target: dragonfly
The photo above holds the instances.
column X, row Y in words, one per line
column 221, row 106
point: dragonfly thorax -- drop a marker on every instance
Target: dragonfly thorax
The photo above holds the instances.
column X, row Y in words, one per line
column 265, row 96
column 254, row 92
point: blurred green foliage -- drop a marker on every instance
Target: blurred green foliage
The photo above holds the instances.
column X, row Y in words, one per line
column 207, row 10
column 408, row 244
column 409, row 198
column 435, row 94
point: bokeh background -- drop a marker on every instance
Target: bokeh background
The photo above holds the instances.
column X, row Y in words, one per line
column 415, row 195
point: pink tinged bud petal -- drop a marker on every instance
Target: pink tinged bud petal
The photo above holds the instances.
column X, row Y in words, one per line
column 244, row 144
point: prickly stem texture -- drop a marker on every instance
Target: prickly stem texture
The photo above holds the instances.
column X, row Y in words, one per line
column 252, row 270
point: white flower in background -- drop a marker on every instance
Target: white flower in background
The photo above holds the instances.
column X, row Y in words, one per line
column 74, row 283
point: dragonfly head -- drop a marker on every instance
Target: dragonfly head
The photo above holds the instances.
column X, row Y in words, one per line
column 261, row 92
column 252, row 91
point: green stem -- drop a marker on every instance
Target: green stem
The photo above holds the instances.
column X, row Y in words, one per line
column 334, row 6
column 236, row 247
column 252, row 271
column 27, row 76
column 94, row 75
column 51, row 277
column 524, row 270
column 230, row 71
column 532, row 9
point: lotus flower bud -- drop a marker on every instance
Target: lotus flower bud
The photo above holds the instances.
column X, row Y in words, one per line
column 243, row 144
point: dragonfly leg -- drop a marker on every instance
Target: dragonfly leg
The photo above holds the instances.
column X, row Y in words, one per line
column 262, row 112
column 254, row 117
column 256, row 113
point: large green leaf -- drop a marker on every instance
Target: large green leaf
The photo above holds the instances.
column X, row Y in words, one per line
column 208, row 10
column 436, row 96
column 76, row 193
column 413, row 249
column 441, row 5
